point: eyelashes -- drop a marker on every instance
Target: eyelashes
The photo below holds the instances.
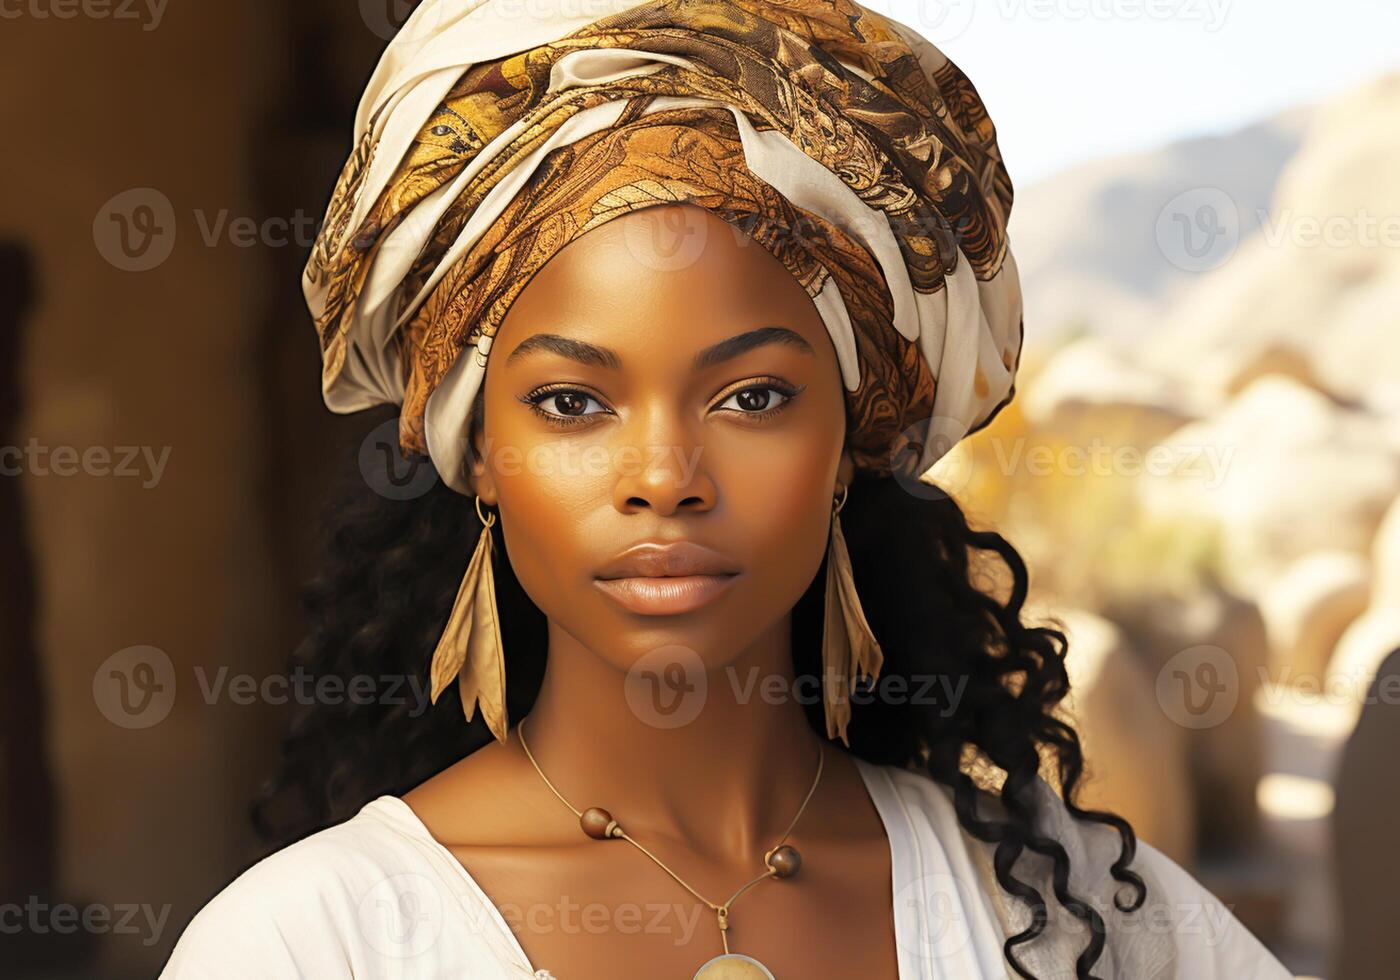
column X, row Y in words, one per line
column 568, row 399
column 536, row 399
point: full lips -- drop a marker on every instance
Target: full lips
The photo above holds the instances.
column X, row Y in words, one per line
column 666, row 596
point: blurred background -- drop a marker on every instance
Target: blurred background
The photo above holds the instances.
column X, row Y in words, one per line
column 1201, row 465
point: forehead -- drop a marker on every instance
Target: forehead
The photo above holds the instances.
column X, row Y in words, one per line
column 673, row 266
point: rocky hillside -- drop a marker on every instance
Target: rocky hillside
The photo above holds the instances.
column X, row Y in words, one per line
column 1087, row 239
column 1202, row 470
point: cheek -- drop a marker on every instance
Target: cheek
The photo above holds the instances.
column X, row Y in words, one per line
column 548, row 501
column 783, row 511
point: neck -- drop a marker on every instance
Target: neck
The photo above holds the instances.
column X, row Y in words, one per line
column 721, row 759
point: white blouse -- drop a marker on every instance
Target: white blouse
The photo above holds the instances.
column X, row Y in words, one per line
column 377, row 897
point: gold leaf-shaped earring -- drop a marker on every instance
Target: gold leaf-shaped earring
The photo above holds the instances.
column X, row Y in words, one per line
column 849, row 647
column 470, row 647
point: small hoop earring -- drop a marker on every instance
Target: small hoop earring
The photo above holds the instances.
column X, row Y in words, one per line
column 484, row 517
column 845, row 492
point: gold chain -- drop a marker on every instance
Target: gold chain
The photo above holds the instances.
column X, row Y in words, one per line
column 721, row 911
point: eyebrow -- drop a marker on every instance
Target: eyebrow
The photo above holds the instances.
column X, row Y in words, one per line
column 725, row 350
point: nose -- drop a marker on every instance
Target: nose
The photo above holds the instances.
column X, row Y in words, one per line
column 662, row 466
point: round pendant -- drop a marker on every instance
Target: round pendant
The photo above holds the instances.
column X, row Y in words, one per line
column 732, row 966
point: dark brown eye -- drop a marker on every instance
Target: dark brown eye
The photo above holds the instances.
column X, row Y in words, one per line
column 759, row 398
column 754, row 400
column 563, row 405
column 570, row 403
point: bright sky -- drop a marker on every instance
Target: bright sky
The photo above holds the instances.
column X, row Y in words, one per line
column 1068, row 81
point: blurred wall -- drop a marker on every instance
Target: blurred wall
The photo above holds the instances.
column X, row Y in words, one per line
column 166, row 170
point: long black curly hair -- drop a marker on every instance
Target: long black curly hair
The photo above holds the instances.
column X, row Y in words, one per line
column 384, row 592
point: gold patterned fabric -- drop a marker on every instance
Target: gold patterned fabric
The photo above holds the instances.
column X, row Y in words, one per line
column 496, row 132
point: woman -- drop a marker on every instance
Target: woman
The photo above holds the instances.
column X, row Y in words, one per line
column 679, row 298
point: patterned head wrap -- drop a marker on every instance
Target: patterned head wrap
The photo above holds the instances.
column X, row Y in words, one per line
column 495, row 132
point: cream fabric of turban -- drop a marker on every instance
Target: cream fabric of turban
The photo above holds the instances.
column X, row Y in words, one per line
column 494, row 132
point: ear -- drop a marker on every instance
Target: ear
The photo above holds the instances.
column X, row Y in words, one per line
column 846, row 471
column 480, row 476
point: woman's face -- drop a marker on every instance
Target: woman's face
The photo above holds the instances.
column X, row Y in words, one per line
column 663, row 380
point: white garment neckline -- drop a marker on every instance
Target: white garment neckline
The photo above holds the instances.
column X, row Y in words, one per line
column 877, row 785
